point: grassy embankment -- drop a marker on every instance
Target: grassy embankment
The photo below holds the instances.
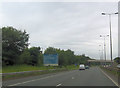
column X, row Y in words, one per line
column 113, row 71
column 21, row 68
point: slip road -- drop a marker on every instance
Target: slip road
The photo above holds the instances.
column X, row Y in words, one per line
column 89, row 77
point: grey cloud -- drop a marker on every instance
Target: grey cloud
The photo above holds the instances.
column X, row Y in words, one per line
column 75, row 26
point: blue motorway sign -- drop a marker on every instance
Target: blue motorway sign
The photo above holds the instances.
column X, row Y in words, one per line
column 50, row 59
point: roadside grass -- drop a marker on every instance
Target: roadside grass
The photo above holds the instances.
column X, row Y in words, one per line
column 45, row 70
column 20, row 68
column 112, row 71
column 16, row 76
column 72, row 67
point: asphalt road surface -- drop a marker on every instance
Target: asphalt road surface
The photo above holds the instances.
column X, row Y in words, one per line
column 89, row 77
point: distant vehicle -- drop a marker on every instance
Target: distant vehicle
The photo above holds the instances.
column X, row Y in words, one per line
column 82, row 67
column 86, row 67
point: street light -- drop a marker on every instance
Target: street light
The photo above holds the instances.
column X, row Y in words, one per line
column 109, row 14
column 101, row 51
column 104, row 36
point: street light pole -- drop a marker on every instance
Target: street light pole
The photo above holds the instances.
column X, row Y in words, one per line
column 105, row 49
column 104, row 46
column 102, row 52
column 110, row 36
column 109, row 14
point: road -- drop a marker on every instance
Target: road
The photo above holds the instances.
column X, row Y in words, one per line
column 89, row 77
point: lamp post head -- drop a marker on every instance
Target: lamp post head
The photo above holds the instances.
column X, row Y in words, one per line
column 103, row 13
column 116, row 13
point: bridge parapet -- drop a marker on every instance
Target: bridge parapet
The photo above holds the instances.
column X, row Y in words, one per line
column 100, row 61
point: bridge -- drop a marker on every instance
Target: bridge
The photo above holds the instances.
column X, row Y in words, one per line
column 109, row 61
column 100, row 62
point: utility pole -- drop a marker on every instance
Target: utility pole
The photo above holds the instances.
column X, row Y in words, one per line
column 109, row 14
column 104, row 36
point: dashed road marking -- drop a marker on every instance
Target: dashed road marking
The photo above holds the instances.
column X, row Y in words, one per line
column 35, row 79
column 58, row 85
column 72, row 77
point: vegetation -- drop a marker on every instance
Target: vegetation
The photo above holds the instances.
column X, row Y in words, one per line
column 67, row 57
column 15, row 76
column 16, row 51
column 19, row 68
column 113, row 71
column 31, row 56
column 117, row 60
column 13, row 44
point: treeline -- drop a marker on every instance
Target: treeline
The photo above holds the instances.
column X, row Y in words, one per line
column 67, row 57
column 15, row 50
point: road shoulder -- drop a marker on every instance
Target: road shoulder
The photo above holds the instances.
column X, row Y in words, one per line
column 112, row 77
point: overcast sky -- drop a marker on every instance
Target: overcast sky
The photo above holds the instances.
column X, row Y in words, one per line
column 65, row 25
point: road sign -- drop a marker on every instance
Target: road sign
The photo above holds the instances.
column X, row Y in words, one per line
column 50, row 59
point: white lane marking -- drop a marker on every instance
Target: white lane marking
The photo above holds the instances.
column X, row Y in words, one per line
column 30, row 81
column 58, row 85
column 110, row 78
column 72, row 77
column 37, row 79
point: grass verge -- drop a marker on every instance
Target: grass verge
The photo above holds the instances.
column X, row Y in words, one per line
column 16, row 76
column 115, row 72
column 33, row 68
column 20, row 68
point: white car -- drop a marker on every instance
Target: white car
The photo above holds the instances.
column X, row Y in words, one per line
column 82, row 67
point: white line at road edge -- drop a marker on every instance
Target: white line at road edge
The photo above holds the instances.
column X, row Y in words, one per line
column 34, row 80
column 58, row 85
column 109, row 78
column 29, row 81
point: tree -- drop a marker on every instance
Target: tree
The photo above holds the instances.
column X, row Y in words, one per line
column 67, row 57
column 13, row 44
column 82, row 59
column 50, row 50
column 35, row 55
column 25, row 57
column 31, row 56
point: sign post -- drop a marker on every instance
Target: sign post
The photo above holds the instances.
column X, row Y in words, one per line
column 50, row 60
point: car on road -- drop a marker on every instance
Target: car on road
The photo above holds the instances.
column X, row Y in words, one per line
column 82, row 67
column 86, row 67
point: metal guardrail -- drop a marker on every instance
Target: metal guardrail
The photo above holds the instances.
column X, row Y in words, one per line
column 12, row 73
